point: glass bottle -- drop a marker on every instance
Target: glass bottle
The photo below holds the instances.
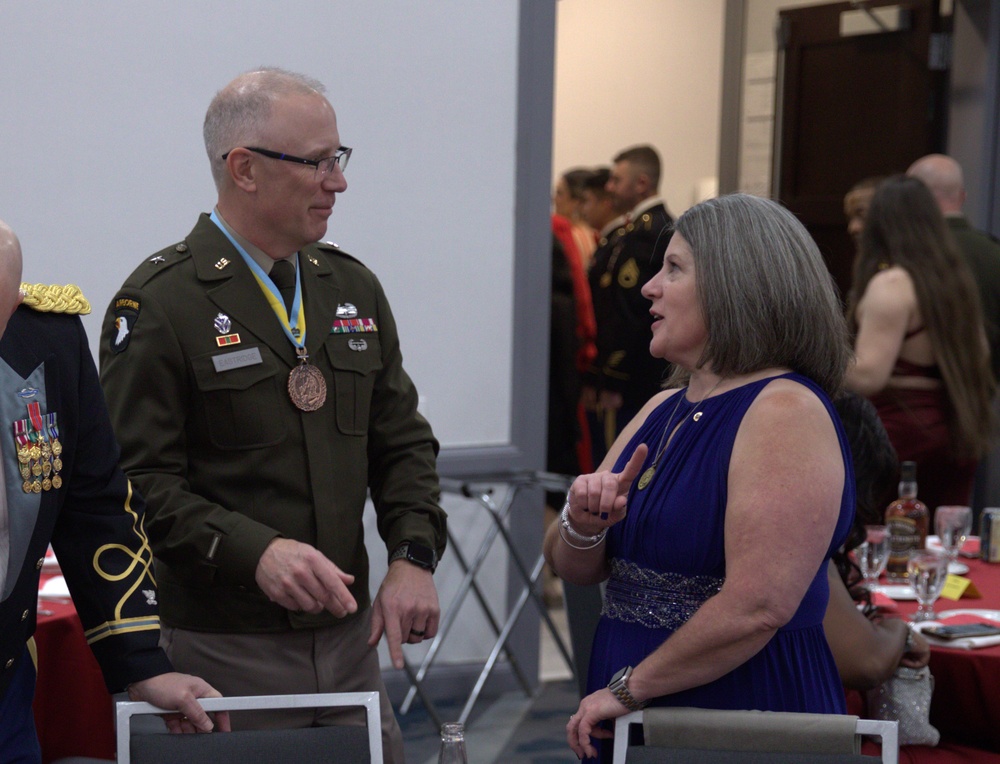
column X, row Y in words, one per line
column 452, row 744
column 907, row 520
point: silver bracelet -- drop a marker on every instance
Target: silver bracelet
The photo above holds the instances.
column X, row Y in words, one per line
column 567, row 532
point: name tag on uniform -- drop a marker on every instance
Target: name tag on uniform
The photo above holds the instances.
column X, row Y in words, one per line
column 237, row 359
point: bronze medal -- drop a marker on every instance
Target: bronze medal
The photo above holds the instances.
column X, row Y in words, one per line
column 46, row 449
column 647, row 476
column 306, row 387
column 35, row 452
column 46, row 485
column 56, row 446
column 23, row 454
column 56, row 481
column 57, row 464
column 46, row 468
column 26, row 486
column 25, row 470
column 36, row 487
column 36, row 469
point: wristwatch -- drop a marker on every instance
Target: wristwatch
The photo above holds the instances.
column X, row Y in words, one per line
column 422, row 556
column 619, row 688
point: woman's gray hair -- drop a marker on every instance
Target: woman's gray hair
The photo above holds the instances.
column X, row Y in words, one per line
column 239, row 112
column 766, row 294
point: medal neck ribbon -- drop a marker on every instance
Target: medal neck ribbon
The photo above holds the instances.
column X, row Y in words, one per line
column 294, row 326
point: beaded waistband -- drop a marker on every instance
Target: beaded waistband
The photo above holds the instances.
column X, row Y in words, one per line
column 656, row 600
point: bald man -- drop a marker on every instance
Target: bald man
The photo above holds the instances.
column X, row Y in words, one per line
column 943, row 176
column 81, row 502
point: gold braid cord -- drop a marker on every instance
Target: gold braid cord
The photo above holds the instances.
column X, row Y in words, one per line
column 52, row 298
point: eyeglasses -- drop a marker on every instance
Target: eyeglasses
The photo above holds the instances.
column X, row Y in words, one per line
column 322, row 166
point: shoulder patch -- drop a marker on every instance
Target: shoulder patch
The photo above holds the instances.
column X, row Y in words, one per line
column 126, row 310
column 53, row 298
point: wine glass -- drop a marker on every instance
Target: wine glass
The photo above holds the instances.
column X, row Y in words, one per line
column 873, row 554
column 952, row 525
column 927, row 573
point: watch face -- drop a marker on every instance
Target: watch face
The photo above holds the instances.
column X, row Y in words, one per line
column 421, row 555
column 619, row 674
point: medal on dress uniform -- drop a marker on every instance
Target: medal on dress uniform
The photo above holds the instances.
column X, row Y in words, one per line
column 306, row 385
column 21, row 439
column 52, row 427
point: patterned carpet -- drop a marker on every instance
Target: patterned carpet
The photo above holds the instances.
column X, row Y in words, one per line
column 511, row 729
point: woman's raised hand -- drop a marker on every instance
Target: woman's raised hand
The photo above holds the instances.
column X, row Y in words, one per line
column 598, row 500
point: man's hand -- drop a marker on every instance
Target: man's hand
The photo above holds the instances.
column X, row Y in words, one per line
column 406, row 609
column 298, row 576
column 178, row 692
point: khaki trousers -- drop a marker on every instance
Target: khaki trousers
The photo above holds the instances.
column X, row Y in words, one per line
column 332, row 659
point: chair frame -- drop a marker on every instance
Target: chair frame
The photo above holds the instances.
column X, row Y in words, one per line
column 370, row 700
column 888, row 731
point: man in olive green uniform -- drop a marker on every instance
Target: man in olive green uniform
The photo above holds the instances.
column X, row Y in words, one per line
column 255, row 382
column 944, row 177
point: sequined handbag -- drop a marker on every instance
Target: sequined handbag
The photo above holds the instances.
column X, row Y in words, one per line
column 906, row 697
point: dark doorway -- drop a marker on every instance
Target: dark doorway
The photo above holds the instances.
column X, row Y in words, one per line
column 851, row 106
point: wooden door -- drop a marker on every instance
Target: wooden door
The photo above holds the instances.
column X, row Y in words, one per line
column 851, row 107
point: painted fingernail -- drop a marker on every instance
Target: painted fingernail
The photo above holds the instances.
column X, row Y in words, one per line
column 604, row 515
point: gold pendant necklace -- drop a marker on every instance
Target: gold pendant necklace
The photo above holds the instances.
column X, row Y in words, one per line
column 647, row 477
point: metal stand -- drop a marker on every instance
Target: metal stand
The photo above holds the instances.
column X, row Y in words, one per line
column 515, row 482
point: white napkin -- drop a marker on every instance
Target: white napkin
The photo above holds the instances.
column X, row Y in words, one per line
column 54, row 588
column 966, row 643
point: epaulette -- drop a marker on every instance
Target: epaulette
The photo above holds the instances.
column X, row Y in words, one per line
column 331, row 247
column 52, row 298
column 159, row 262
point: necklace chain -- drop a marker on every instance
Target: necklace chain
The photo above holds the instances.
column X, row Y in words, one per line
column 647, row 476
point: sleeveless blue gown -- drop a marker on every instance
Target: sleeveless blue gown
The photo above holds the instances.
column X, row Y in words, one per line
column 669, row 553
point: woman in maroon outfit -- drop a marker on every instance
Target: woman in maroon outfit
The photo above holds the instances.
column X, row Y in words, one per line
column 920, row 347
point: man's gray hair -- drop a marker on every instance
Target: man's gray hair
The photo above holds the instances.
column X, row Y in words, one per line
column 239, row 112
column 766, row 294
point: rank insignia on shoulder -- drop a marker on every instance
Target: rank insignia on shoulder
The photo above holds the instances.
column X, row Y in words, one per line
column 126, row 317
column 353, row 325
column 53, row 298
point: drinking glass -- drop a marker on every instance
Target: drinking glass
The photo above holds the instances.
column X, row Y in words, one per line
column 873, row 554
column 952, row 525
column 927, row 573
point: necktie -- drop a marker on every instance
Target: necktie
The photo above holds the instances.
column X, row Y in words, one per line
column 283, row 276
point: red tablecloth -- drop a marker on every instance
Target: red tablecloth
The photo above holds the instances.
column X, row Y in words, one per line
column 73, row 711
column 966, row 702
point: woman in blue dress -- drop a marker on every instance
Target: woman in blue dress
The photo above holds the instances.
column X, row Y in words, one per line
column 714, row 515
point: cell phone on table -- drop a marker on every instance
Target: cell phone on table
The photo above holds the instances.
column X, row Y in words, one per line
column 960, row 631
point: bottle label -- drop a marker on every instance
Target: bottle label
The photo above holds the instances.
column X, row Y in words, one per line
column 904, row 537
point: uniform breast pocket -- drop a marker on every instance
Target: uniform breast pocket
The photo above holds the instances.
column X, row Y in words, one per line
column 241, row 398
column 356, row 360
